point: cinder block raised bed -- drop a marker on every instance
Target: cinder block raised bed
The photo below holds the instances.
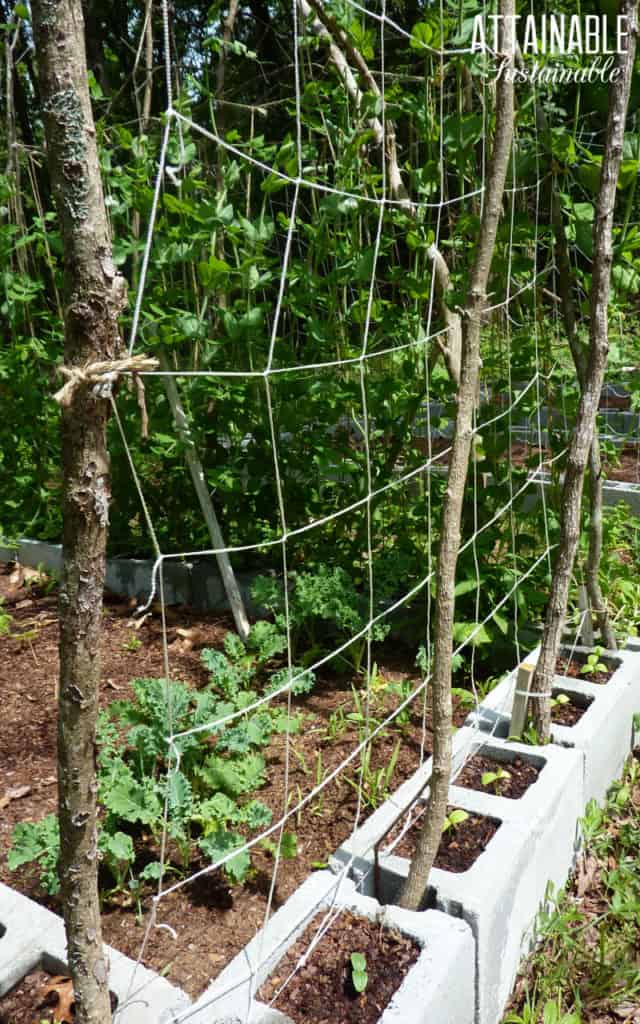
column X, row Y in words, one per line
column 197, row 583
column 605, row 732
column 438, row 988
column 500, row 895
column 32, row 937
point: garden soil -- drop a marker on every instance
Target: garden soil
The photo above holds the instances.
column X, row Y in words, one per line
column 211, row 920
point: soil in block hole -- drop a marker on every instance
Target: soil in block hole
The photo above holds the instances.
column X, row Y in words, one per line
column 510, row 779
column 461, row 844
column 568, row 711
column 41, row 997
column 325, row 989
column 574, row 667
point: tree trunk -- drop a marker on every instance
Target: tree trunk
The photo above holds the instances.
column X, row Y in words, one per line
column 94, row 297
column 594, row 556
column 597, row 601
column 583, row 435
column 415, row 887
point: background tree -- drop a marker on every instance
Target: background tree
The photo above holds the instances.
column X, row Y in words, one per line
column 592, row 377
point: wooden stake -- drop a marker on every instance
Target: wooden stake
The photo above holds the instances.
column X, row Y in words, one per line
column 229, row 581
column 521, row 699
column 586, row 629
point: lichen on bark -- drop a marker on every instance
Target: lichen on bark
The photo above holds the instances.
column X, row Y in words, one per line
column 66, row 112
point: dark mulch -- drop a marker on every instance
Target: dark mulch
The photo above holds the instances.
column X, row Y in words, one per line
column 211, row 920
column 573, row 668
column 522, row 775
column 322, row 991
column 459, row 847
column 568, row 714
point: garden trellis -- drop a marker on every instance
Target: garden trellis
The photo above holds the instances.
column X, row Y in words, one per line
column 177, row 127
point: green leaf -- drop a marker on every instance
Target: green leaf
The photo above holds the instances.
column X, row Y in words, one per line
column 256, row 814
column 118, row 846
column 218, row 845
column 289, row 846
column 152, row 872
column 358, row 962
column 421, row 36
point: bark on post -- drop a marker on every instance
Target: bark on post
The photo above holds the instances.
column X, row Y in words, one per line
column 415, row 887
column 95, row 296
column 582, row 439
column 596, row 598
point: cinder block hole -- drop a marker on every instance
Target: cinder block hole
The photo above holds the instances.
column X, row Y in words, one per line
column 3, row 931
column 570, row 714
column 580, row 658
column 55, row 967
column 41, row 992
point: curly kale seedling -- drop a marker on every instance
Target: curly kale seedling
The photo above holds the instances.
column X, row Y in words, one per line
column 359, row 976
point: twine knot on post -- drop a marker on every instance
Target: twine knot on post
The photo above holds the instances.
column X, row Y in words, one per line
column 101, row 375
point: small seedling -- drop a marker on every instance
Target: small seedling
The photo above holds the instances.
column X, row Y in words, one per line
column 593, row 665
column 134, row 643
column 454, row 819
column 495, row 778
column 5, row 620
column 359, row 975
column 559, row 701
column 337, row 725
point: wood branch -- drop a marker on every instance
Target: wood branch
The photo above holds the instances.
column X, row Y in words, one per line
column 414, row 890
column 228, row 28
column 579, row 356
column 146, row 41
column 148, row 67
column 343, row 54
column 95, row 295
column 229, row 581
column 341, row 50
column 583, row 435
column 452, row 350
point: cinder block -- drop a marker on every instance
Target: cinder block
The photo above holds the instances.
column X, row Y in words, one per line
column 605, row 732
column 35, row 936
column 439, row 987
column 360, row 845
column 501, row 894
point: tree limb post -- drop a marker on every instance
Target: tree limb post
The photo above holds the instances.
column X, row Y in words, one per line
column 594, row 556
column 229, row 581
column 95, row 295
column 414, row 889
column 596, row 363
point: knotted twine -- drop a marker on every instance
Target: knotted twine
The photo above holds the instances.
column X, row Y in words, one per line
column 101, row 375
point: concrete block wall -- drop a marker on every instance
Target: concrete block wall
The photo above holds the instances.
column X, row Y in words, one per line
column 439, row 987
column 197, row 583
column 32, row 936
column 500, row 895
column 605, row 733
column 538, row 837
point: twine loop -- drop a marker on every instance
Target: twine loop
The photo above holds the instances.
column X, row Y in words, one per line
column 101, row 375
